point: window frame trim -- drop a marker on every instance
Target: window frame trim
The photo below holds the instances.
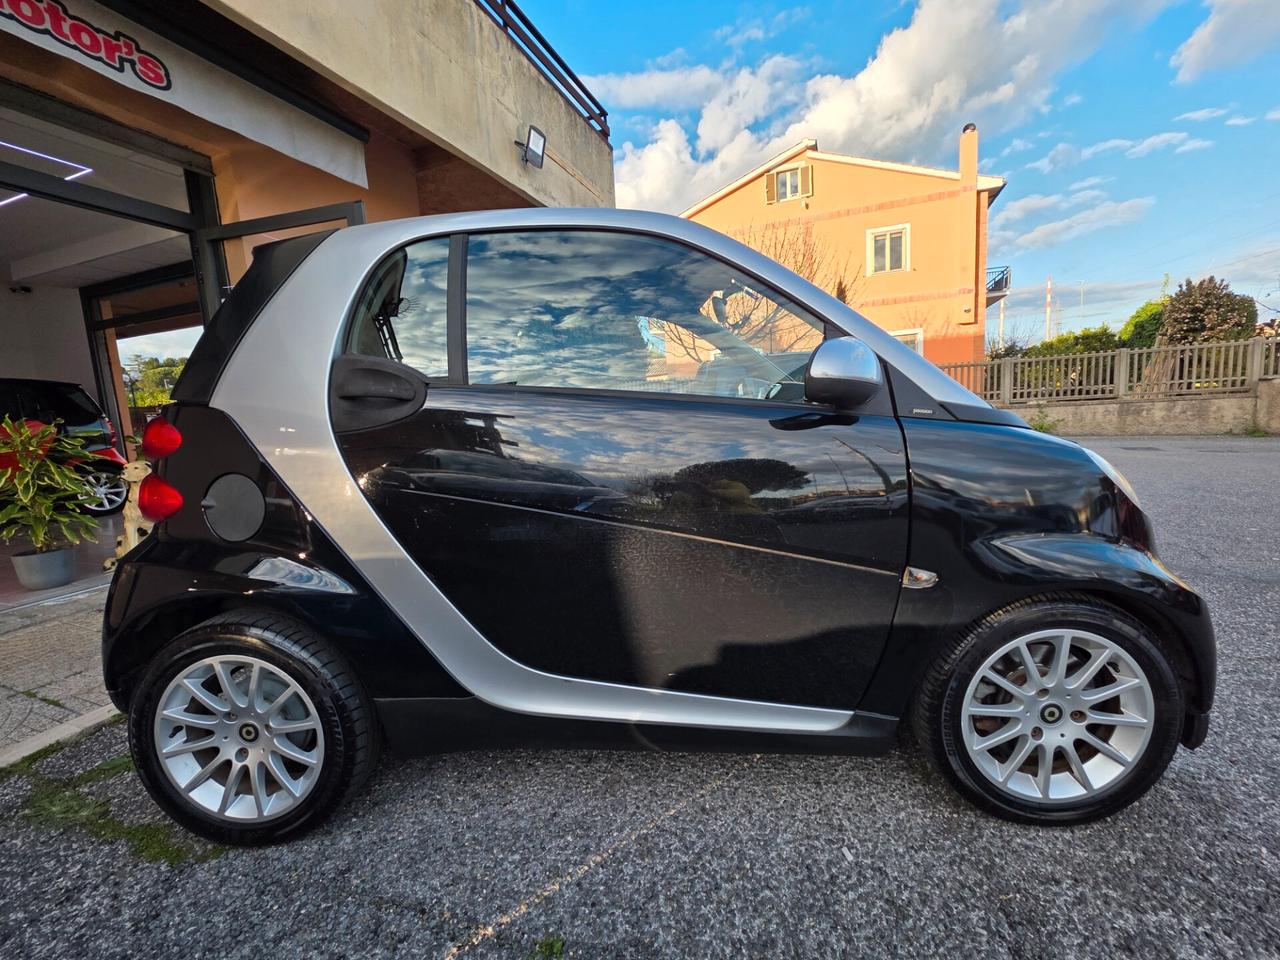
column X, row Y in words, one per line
column 872, row 233
column 456, row 320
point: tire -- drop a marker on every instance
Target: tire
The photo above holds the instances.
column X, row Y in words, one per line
column 111, row 492
column 960, row 713
column 300, row 746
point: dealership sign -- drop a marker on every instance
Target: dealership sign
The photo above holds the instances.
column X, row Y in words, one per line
column 119, row 49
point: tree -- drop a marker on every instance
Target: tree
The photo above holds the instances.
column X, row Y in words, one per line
column 1142, row 328
column 1207, row 311
column 795, row 245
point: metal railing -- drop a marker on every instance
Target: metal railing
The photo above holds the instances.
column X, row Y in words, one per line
column 998, row 279
column 527, row 38
column 1150, row 372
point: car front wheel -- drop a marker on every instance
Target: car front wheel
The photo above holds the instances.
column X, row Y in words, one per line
column 250, row 729
column 1052, row 712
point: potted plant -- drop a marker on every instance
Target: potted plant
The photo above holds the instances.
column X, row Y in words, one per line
column 40, row 498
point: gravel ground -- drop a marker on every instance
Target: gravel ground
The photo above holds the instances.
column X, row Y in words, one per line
column 658, row 855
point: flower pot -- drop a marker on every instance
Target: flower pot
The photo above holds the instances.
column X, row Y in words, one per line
column 40, row 571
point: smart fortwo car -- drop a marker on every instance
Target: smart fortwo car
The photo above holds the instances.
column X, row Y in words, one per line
column 597, row 476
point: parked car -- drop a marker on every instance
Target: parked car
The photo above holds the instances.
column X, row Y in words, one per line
column 47, row 401
column 399, row 498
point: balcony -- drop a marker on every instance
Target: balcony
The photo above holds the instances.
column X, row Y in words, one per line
column 998, row 281
column 542, row 55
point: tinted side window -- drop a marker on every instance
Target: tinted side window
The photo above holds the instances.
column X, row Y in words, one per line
column 73, row 405
column 621, row 311
column 401, row 313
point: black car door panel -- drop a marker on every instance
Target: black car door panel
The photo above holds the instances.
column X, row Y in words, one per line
column 742, row 549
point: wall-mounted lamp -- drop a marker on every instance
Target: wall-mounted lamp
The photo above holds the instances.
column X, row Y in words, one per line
column 534, row 147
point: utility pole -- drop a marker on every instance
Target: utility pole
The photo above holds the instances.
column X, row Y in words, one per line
column 1048, row 308
column 1080, row 316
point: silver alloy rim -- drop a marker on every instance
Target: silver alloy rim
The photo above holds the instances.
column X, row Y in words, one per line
column 1057, row 715
column 107, row 491
column 239, row 738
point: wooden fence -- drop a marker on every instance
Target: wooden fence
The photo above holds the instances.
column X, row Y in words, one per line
column 1150, row 372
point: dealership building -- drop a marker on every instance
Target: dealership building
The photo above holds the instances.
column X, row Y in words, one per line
column 146, row 149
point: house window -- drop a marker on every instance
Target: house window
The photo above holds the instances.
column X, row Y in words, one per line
column 912, row 338
column 789, row 184
column 889, row 249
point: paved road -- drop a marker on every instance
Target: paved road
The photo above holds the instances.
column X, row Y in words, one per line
column 650, row 855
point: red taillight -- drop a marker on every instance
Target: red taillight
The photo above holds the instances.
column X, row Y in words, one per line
column 112, row 436
column 160, row 439
column 158, row 500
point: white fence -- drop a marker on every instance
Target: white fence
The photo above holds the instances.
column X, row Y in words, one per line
column 1150, row 372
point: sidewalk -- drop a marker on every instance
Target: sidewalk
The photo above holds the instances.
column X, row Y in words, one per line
column 50, row 665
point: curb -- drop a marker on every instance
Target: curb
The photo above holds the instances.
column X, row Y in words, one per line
column 68, row 728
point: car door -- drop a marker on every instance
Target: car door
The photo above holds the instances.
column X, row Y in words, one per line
column 612, row 472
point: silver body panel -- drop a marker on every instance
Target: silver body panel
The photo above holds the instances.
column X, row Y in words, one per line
column 276, row 389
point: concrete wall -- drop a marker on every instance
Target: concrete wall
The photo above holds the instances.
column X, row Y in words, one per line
column 44, row 336
column 446, row 70
column 1177, row 416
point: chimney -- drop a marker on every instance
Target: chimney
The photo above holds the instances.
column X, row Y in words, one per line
column 969, row 154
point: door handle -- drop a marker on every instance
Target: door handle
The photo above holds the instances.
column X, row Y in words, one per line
column 373, row 391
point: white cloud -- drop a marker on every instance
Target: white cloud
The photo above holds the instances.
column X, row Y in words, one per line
column 1071, row 99
column 1199, row 116
column 1157, row 141
column 1273, row 114
column 1234, row 33
column 676, row 87
column 1063, row 155
column 1024, row 207
column 746, row 96
column 1088, row 182
column 908, row 103
column 755, row 30
column 1027, row 207
column 1108, row 213
column 1194, row 144
column 1105, row 146
column 1240, row 121
column 1017, row 145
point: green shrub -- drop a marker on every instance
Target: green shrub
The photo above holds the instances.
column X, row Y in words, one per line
column 1143, row 327
column 1088, row 340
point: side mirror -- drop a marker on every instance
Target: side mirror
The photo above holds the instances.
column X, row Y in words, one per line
column 844, row 373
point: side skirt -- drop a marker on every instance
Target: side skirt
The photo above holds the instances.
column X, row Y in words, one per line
column 425, row 725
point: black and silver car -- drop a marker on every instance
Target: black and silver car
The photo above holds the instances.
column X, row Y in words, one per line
column 556, row 476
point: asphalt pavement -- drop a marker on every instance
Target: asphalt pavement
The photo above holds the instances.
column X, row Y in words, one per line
column 615, row 854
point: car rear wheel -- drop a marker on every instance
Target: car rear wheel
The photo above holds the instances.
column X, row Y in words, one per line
column 107, row 493
column 1052, row 711
column 250, row 729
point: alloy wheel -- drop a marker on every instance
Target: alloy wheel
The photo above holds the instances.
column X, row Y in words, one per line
column 107, row 492
column 239, row 738
column 1057, row 715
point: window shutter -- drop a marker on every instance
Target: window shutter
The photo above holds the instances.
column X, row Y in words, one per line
column 806, row 181
column 771, row 188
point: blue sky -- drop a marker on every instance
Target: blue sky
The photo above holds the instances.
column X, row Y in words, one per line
column 1138, row 137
